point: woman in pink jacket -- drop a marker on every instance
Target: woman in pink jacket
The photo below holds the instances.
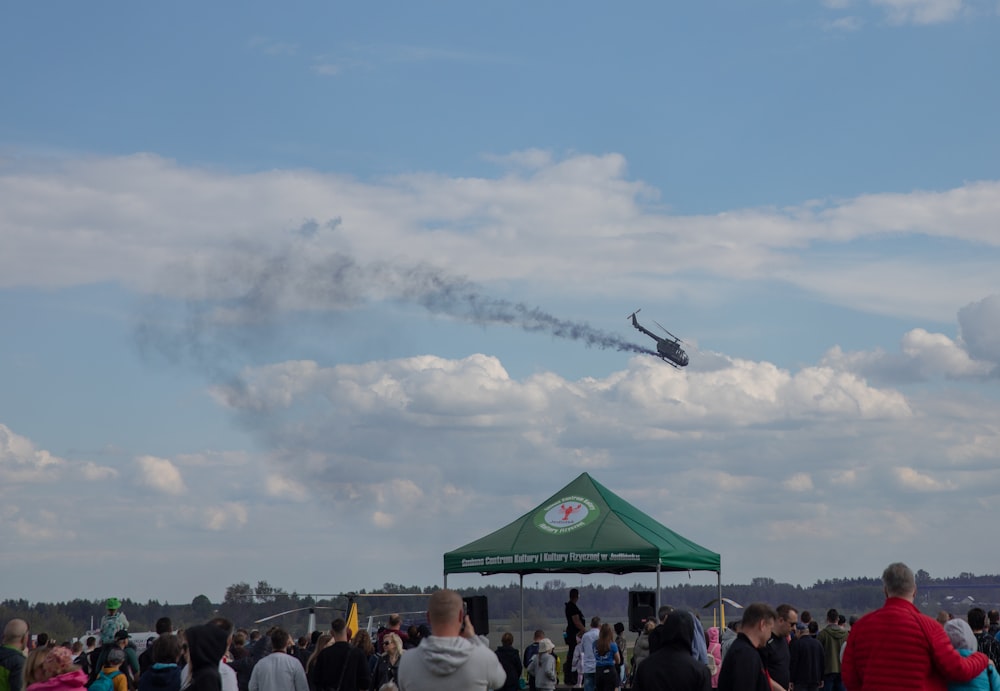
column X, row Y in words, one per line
column 60, row 674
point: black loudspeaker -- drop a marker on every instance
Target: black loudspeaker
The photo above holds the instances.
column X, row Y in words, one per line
column 479, row 613
column 641, row 608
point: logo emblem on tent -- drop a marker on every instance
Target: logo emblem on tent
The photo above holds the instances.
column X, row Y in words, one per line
column 565, row 515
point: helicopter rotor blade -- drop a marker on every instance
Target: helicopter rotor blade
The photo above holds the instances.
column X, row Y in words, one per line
column 667, row 332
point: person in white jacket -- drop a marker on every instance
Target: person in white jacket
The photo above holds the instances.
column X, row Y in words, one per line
column 279, row 671
column 453, row 657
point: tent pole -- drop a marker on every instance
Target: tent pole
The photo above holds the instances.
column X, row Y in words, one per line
column 722, row 611
column 445, row 579
column 521, row 639
column 657, row 590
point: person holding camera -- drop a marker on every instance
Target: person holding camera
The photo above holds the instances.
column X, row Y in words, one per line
column 453, row 657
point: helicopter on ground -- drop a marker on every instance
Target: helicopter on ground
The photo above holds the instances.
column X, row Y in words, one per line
column 669, row 351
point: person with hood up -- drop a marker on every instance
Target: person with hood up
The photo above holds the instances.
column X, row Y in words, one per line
column 206, row 646
column 60, row 673
column 452, row 658
column 163, row 673
column 542, row 667
column 964, row 640
column 670, row 665
column 714, row 654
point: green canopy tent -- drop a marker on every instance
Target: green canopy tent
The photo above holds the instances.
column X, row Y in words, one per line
column 582, row 528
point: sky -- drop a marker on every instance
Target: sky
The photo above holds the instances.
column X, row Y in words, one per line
column 314, row 293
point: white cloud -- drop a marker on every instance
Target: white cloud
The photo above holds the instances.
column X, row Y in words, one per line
column 920, row 482
column 285, row 488
column 925, row 355
column 160, row 474
column 149, row 222
column 22, row 462
column 226, row 516
column 95, row 472
column 383, row 519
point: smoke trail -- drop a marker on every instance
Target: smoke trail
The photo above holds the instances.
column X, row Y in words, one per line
column 235, row 303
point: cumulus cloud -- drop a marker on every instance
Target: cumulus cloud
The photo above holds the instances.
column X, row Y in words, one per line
column 477, row 391
column 980, row 328
column 160, row 474
column 22, row 462
column 975, row 354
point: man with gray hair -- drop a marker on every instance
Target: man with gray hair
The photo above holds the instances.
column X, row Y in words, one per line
column 920, row 656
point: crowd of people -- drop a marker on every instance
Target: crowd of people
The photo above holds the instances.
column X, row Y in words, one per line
column 768, row 649
column 214, row 656
column 781, row 649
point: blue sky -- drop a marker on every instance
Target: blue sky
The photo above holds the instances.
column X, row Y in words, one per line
column 219, row 225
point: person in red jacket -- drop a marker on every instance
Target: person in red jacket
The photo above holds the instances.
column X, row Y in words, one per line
column 897, row 647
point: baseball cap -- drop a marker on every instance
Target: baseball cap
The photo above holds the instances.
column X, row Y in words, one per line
column 121, row 635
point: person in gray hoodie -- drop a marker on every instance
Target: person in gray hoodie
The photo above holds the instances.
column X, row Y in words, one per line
column 452, row 658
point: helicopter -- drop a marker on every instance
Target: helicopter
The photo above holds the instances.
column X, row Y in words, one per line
column 669, row 351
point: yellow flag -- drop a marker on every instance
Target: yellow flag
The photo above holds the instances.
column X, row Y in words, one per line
column 352, row 618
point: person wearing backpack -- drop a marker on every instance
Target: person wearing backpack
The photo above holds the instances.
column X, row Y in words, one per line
column 111, row 677
column 113, row 622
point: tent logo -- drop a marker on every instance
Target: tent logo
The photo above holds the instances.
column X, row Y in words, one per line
column 565, row 515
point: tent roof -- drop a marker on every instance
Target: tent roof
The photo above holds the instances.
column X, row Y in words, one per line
column 582, row 528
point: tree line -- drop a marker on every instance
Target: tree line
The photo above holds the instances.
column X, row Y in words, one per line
column 245, row 604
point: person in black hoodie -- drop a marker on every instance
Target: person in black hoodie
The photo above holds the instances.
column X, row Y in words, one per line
column 669, row 665
column 206, row 646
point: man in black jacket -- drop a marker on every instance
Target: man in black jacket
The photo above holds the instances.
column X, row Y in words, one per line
column 743, row 669
column 669, row 665
column 775, row 653
column 807, row 661
column 340, row 665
